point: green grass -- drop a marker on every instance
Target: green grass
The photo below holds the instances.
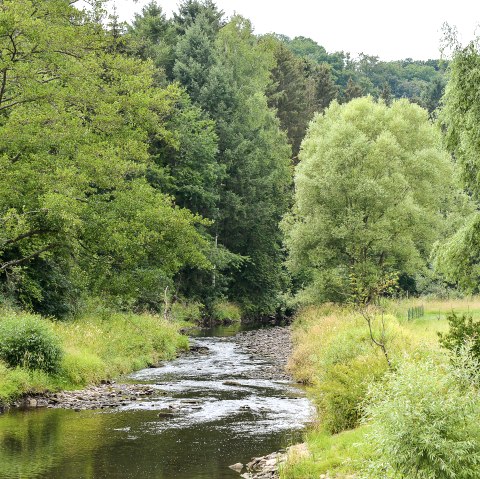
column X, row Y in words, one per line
column 96, row 348
column 339, row 455
column 225, row 312
column 315, row 330
column 435, row 317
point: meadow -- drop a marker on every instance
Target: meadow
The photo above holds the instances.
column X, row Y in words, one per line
column 335, row 357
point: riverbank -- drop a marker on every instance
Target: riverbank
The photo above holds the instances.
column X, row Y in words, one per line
column 363, row 405
column 91, row 349
column 96, row 351
column 197, row 414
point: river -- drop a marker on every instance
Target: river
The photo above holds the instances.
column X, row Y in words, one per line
column 212, row 410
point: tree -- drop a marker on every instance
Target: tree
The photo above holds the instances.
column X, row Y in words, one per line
column 195, row 57
column 369, row 198
column 322, row 86
column 432, row 96
column 256, row 156
column 76, row 118
column 185, row 163
column 153, row 37
column 353, row 90
column 457, row 258
column 190, row 10
column 386, row 94
column 289, row 95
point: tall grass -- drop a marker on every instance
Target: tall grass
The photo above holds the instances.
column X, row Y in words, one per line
column 95, row 348
column 334, row 356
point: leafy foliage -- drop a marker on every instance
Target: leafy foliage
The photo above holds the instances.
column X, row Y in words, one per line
column 76, row 123
column 343, row 389
column 30, row 343
column 457, row 258
column 372, row 188
column 463, row 330
column 424, row 424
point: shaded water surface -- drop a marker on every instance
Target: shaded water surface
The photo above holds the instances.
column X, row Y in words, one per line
column 213, row 411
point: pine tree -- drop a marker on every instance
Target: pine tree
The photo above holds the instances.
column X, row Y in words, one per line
column 289, row 95
column 152, row 36
column 386, row 94
column 353, row 90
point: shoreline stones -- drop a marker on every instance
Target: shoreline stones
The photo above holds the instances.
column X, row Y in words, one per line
column 266, row 467
column 272, row 344
column 103, row 396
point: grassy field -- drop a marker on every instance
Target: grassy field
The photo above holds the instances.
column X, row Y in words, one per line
column 95, row 347
column 325, row 334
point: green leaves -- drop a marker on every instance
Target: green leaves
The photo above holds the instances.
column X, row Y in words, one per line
column 369, row 191
column 424, row 423
column 76, row 127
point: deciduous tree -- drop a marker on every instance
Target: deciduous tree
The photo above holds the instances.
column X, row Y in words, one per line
column 369, row 197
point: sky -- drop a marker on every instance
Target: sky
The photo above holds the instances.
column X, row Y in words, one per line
column 390, row 30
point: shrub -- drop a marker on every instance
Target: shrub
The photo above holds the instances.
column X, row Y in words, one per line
column 29, row 342
column 462, row 330
column 191, row 312
column 226, row 312
column 425, row 424
column 343, row 389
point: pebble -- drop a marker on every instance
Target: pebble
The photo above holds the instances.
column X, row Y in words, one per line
column 271, row 344
column 108, row 394
column 266, row 467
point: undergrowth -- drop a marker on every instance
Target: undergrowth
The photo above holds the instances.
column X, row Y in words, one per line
column 92, row 348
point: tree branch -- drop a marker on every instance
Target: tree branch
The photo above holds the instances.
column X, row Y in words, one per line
column 29, row 234
column 26, row 259
column 4, row 84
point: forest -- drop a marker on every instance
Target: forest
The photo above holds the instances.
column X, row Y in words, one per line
column 156, row 159
column 178, row 171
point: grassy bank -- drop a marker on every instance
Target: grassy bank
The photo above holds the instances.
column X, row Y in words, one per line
column 91, row 348
column 347, row 375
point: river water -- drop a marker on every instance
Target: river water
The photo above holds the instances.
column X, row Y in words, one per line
column 213, row 411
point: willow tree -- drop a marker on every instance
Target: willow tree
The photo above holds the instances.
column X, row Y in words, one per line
column 370, row 197
column 459, row 257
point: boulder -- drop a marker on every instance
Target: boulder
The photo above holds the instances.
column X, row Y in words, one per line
column 237, row 467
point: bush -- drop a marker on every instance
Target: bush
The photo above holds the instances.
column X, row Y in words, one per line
column 425, row 424
column 343, row 389
column 191, row 312
column 226, row 312
column 462, row 330
column 29, row 342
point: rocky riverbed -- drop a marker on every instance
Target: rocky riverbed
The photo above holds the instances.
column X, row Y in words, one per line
column 275, row 344
column 272, row 343
column 225, row 401
column 106, row 395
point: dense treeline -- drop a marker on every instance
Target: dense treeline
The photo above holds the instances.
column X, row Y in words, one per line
column 138, row 165
column 152, row 163
column 422, row 82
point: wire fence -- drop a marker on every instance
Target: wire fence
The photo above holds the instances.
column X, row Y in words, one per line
column 416, row 312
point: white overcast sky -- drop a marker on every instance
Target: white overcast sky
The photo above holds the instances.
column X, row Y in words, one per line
column 391, row 30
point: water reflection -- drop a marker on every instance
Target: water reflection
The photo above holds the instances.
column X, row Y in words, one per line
column 213, row 411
